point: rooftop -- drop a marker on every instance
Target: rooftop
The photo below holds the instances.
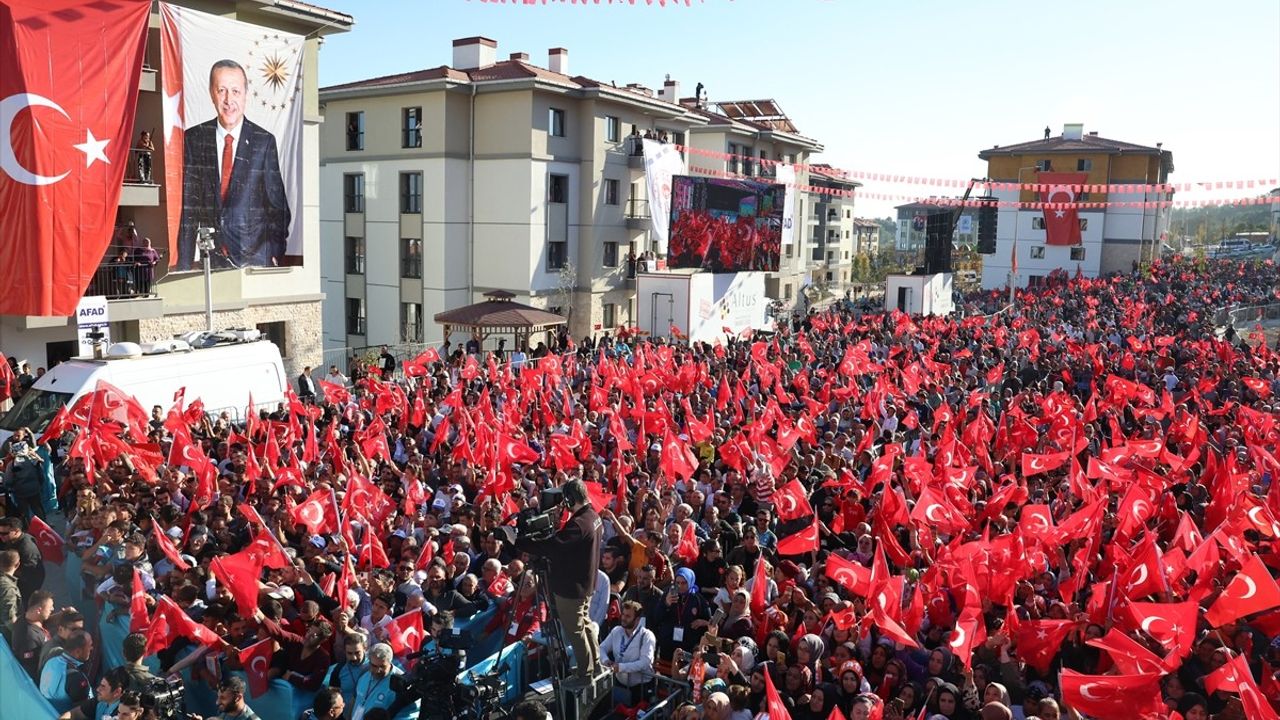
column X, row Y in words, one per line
column 1075, row 143
column 821, row 172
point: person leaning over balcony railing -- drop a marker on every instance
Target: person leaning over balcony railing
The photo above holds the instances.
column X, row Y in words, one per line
column 144, row 150
column 146, row 258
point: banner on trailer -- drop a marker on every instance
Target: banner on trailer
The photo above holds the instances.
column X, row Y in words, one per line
column 662, row 162
column 233, row 140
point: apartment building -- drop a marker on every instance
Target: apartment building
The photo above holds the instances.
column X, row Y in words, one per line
column 866, row 236
column 831, row 226
column 1113, row 238
column 442, row 184
column 913, row 216
column 283, row 302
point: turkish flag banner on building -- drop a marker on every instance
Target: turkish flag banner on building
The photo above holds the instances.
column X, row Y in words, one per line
column 68, row 97
column 1061, row 223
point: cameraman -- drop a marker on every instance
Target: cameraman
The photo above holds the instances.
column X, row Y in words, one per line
column 572, row 577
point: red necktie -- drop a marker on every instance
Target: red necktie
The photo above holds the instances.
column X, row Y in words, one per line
column 228, row 155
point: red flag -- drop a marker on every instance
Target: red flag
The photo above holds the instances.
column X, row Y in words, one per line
column 1235, row 676
column 1173, row 625
column 8, row 382
column 1129, row 656
column 512, row 451
column 239, row 574
column 1040, row 640
column 1061, row 222
column 167, row 547
column 1251, row 590
column 1110, row 696
column 52, row 546
column 138, row 619
column 677, row 460
column 256, row 661
column 170, row 623
column 1038, row 464
column 68, row 99
column 776, row 708
column 687, row 549
column 427, row 555
column 404, row 634
column 970, row 632
column 849, row 575
column 805, row 541
column 792, row 502
column 318, row 513
column 760, row 589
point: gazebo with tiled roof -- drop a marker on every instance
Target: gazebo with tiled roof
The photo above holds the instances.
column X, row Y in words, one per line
column 499, row 315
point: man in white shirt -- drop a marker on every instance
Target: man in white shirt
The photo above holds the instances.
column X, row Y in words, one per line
column 598, row 610
column 336, row 377
column 628, row 652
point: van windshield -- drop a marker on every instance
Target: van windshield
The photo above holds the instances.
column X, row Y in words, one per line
column 34, row 410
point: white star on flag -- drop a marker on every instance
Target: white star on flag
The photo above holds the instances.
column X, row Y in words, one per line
column 93, row 149
column 172, row 113
column 1059, row 213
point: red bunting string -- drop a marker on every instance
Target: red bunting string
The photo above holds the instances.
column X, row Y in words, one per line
column 899, row 178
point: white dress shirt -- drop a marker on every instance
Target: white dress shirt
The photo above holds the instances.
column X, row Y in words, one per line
column 631, row 653
column 222, row 133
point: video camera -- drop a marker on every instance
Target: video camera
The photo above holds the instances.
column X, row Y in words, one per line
column 165, row 699
column 435, row 678
column 541, row 523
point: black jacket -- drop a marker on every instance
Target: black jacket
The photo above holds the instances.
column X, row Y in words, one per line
column 574, row 553
column 31, row 565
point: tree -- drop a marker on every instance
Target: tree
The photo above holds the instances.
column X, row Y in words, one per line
column 566, row 283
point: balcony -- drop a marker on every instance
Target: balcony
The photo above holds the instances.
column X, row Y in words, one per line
column 637, row 214
column 635, row 152
column 140, row 188
column 120, row 276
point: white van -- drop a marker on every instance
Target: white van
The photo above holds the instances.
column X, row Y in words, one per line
column 222, row 375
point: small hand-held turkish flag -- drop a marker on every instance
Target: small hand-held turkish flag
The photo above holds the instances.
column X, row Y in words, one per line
column 167, row 547
column 138, row 619
column 256, row 661
column 1061, row 222
column 240, row 573
column 773, row 702
column 404, row 634
column 52, row 546
column 1251, row 590
column 68, row 98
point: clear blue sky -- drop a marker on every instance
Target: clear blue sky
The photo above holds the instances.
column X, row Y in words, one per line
column 912, row 87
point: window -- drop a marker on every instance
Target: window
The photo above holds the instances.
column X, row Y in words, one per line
column 1077, row 254
column 412, row 128
column 1084, row 165
column 1044, row 165
column 746, row 161
column 733, row 158
column 1084, row 224
column 275, row 332
column 557, row 255
column 410, row 322
column 610, row 256
column 1037, row 223
column 355, row 131
column 353, row 193
column 555, row 124
column 786, row 291
column 355, row 255
column 355, row 316
column 558, row 188
column 610, row 191
column 1037, row 252
column 410, row 258
column 411, row 192
column 848, row 214
column 846, row 234
column 609, row 316
column 612, row 128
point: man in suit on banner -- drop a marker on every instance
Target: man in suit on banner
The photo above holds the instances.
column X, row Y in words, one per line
column 231, row 182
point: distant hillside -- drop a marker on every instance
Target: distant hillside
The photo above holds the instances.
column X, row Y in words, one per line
column 1212, row 224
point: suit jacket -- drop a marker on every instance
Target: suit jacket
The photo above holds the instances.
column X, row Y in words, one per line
column 253, row 223
column 306, row 386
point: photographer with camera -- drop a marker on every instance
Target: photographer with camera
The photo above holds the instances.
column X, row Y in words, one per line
column 572, row 575
column 628, row 651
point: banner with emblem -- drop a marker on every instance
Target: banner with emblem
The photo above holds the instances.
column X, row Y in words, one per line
column 68, row 98
column 232, row 140
column 662, row 162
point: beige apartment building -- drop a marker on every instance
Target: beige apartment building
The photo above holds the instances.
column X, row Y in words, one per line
column 283, row 302
column 443, row 184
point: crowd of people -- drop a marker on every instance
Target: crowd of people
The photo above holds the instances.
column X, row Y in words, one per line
column 1052, row 510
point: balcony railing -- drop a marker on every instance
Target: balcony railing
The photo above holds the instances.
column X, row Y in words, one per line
column 637, row 209
column 121, row 279
column 141, row 162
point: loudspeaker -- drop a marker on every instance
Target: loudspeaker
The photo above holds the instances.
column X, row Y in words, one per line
column 937, row 247
column 987, row 216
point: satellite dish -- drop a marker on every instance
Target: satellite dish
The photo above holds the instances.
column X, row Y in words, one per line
column 124, row 350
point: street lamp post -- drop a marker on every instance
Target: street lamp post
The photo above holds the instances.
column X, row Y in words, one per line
column 204, row 241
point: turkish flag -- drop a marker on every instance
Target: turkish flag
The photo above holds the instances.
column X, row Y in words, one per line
column 850, row 575
column 805, row 541
column 970, row 632
column 239, row 573
column 512, row 451
column 1173, row 625
column 404, row 634
column 677, row 460
column 1129, row 656
column 1251, row 590
column 52, row 546
column 1038, row 464
column 687, row 549
column 318, row 513
column 1110, row 696
column 167, row 547
column 138, row 619
column 170, row 623
column 1040, row 640
column 792, row 502
column 256, row 661
column 773, row 702
column 1061, row 223
column 68, row 98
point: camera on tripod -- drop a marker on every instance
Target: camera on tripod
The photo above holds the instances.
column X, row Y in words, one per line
column 434, row 678
column 537, row 524
column 165, row 698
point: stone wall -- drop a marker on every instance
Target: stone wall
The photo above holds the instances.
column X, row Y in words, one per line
column 303, row 337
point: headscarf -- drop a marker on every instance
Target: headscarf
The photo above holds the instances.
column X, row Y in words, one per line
column 1004, row 693
column 687, row 574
